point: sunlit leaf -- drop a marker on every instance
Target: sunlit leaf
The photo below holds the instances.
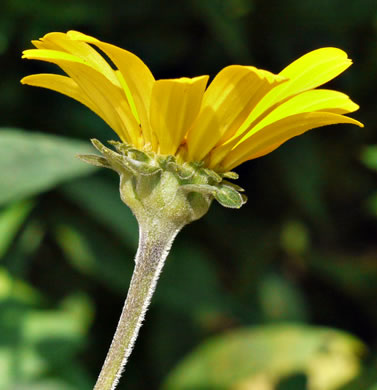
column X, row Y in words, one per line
column 260, row 357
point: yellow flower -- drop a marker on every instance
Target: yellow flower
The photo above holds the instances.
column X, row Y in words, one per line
column 244, row 113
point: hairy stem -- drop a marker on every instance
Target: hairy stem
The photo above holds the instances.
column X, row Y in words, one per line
column 154, row 244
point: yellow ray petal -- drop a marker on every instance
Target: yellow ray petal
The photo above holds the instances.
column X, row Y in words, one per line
column 231, row 96
column 174, row 106
column 61, row 42
column 308, row 101
column 275, row 134
column 136, row 74
column 307, row 72
column 128, row 95
column 96, row 88
column 68, row 87
column 314, row 69
column 50, row 56
column 310, row 71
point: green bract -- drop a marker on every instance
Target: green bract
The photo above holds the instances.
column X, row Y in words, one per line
column 158, row 187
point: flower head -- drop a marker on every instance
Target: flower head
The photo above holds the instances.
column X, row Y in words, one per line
column 243, row 114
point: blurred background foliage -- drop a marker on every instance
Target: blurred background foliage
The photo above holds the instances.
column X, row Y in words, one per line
column 278, row 295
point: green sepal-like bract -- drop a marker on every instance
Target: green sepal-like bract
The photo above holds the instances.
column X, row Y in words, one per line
column 152, row 183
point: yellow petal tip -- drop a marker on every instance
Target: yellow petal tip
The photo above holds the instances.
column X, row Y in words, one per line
column 78, row 36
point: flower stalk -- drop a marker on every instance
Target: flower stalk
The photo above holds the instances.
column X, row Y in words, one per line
column 154, row 246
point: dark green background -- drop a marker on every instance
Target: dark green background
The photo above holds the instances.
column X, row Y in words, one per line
column 302, row 250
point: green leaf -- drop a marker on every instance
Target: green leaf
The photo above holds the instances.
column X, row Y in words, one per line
column 251, row 358
column 11, row 219
column 32, row 163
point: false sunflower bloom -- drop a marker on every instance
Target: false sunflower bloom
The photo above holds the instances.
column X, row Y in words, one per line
column 180, row 139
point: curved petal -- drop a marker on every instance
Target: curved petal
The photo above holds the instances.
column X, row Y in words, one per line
column 96, row 88
column 49, row 55
column 174, row 106
column 61, row 42
column 310, row 71
column 233, row 93
column 308, row 101
column 314, row 69
column 307, row 72
column 68, row 87
column 136, row 74
column 275, row 134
